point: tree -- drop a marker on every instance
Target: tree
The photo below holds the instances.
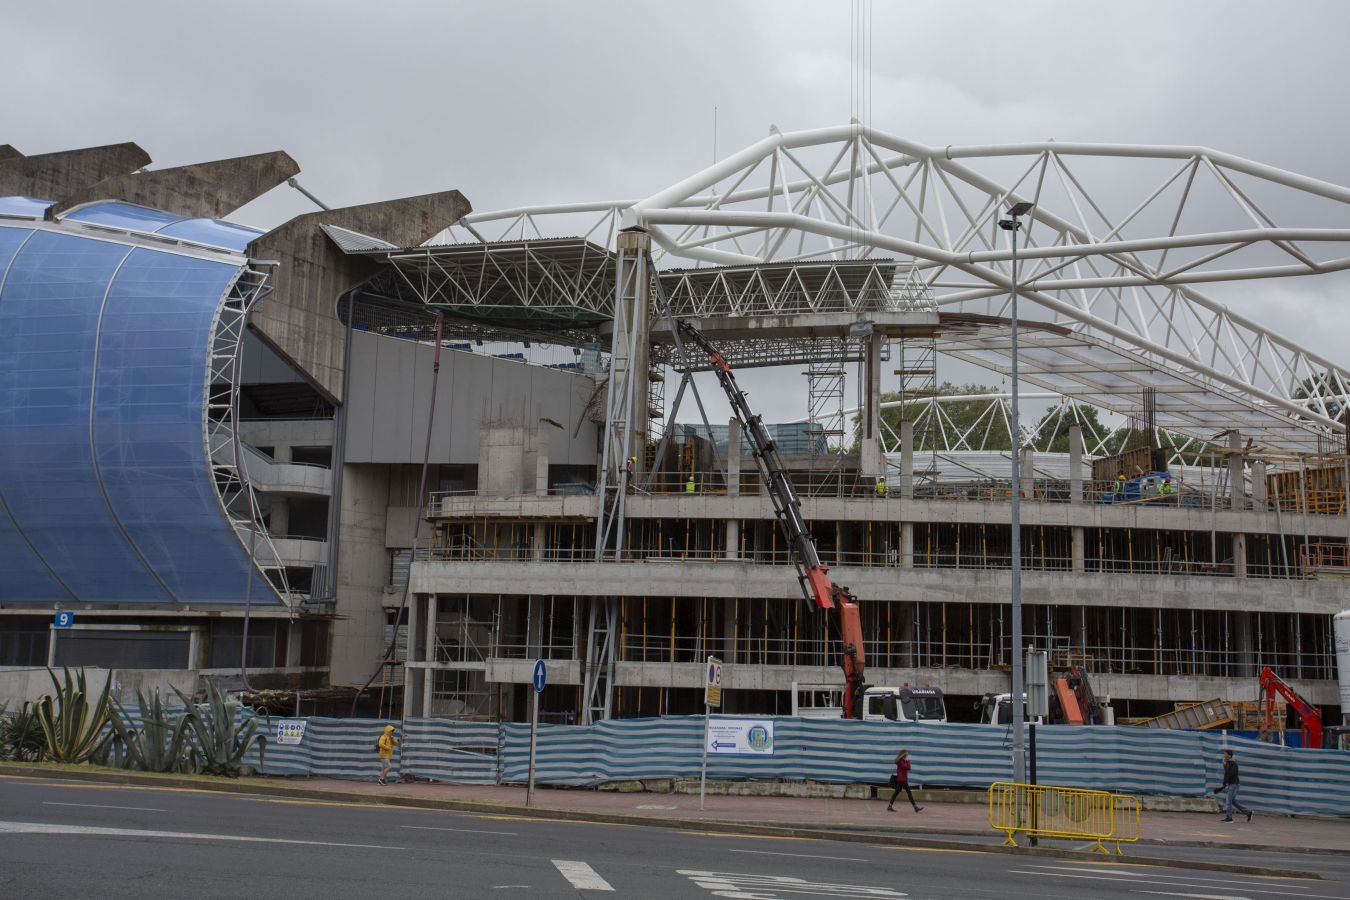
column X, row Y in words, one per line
column 1052, row 431
column 944, row 423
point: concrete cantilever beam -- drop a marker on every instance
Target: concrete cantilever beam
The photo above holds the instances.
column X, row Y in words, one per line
column 299, row 318
column 207, row 190
column 60, row 176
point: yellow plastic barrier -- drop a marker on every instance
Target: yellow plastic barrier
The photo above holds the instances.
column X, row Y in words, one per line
column 1040, row 810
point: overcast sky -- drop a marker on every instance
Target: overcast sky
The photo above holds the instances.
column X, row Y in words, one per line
column 527, row 103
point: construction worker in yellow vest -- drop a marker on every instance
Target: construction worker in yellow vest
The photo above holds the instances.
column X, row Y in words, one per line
column 689, row 485
column 882, row 487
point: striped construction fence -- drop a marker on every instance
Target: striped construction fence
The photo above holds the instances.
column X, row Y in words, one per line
column 1119, row 759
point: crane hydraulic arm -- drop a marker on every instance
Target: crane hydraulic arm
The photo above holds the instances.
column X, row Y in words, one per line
column 1309, row 716
column 839, row 604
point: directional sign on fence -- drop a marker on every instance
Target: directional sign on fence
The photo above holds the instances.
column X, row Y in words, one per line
column 746, row 737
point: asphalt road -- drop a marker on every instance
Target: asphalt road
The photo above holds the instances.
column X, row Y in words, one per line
column 77, row 840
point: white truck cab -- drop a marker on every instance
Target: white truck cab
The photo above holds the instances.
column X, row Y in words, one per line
column 996, row 709
column 880, row 704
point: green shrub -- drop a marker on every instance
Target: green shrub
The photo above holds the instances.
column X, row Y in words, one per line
column 21, row 736
column 218, row 743
column 73, row 728
column 161, row 744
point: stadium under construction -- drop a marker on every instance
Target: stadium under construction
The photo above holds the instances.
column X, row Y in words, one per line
column 332, row 464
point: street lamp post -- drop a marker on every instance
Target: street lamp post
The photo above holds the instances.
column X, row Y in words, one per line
column 1012, row 224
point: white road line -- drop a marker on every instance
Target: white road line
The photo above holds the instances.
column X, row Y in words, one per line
column 461, row 830
column 1172, row 883
column 103, row 806
column 1217, row 879
column 91, row 831
column 581, row 876
column 1197, row 896
column 801, row 855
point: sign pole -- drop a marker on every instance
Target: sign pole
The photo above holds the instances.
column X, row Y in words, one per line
column 538, row 680
column 703, row 779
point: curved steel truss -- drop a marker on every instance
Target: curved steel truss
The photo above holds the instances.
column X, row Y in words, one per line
column 1119, row 241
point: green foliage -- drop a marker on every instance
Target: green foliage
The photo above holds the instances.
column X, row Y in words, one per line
column 1052, row 431
column 986, row 428
column 74, row 729
column 21, row 736
column 218, row 744
column 161, row 743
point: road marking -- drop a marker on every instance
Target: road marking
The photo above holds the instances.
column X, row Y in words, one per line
column 767, row 887
column 103, row 806
column 506, row 818
column 581, row 876
column 1170, row 881
column 460, row 830
column 749, row 837
column 941, row 850
column 1216, row 879
column 800, row 855
column 1199, row 896
column 92, row 831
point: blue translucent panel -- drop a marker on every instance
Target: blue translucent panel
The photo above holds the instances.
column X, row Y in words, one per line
column 213, row 233
column 128, row 216
column 148, row 438
column 49, row 310
column 24, row 206
column 103, row 470
column 22, row 574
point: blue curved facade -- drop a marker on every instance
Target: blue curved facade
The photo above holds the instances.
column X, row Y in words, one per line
column 106, row 492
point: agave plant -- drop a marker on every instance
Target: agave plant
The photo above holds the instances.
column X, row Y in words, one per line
column 161, row 743
column 74, row 728
column 219, row 743
column 21, row 735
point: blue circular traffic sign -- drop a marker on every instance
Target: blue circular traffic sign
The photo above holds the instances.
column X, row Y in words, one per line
column 540, row 677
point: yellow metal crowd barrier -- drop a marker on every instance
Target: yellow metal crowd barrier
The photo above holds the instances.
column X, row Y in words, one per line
column 1041, row 810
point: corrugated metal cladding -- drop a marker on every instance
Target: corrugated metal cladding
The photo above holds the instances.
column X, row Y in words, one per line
column 390, row 389
column 106, row 495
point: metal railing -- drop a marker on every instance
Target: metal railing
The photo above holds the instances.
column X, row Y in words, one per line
column 1048, row 811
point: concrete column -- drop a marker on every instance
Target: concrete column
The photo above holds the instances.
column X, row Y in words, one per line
column 907, row 460
column 905, row 616
column 279, row 517
column 433, row 610
column 534, row 627
column 1237, row 487
column 1076, row 465
column 733, row 457
column 1079, row 549
column 1028, row 473
column 729, row 630
column 412, row 678
column 906, row 545
column 281, row 453
column 870, row 460
column 537, row 545
column 541, row 462
column 633, row 244
column 1243, row 646
column 733, row 550
column 1258, row 484
column 1240, row 555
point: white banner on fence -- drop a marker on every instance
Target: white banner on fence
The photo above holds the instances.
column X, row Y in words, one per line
column 291, row 731
column 745, row 737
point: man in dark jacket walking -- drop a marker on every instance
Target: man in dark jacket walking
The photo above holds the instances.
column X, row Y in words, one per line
column 1230, row 786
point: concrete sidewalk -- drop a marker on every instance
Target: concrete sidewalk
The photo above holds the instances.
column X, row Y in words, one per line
column 966, row 821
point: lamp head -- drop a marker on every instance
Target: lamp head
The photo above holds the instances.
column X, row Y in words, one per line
column 1020, row 208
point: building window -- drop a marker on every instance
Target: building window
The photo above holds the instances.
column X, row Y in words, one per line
column 24, row 642
column 117, row 649
column 227, row 644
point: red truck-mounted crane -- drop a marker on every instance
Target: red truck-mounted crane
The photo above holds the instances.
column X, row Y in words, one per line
column 1309, row 716
column 820, row 591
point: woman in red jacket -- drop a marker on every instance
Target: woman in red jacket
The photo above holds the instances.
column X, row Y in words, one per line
column 900, row 781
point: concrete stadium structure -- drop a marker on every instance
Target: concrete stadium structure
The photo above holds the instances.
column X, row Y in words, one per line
column 432, row 513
